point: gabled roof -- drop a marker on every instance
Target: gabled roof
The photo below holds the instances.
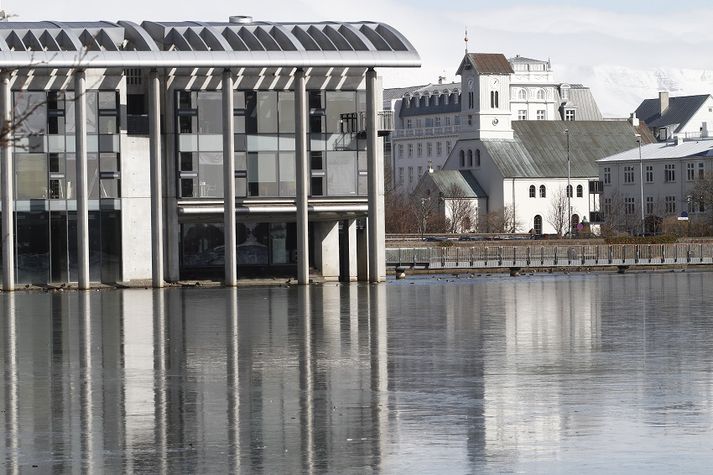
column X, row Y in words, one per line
column 539, row 148
column 240, row 42
column 445, row 180
column 487, row 63
column 680, row 110
column 665, row 150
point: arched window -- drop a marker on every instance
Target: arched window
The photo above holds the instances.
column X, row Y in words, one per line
column 522, row 94
column 543, row 191
column 580, row 191
column 477, row 157
column 470, row 158
column 533, row 191
column 462, row 159
column 494, row 99
column 569, row 191
column 540, row 94
column 538, row 224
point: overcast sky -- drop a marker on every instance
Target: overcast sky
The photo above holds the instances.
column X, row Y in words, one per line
column 578, row 35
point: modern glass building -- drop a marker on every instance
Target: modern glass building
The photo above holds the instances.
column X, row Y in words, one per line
column 121, row 141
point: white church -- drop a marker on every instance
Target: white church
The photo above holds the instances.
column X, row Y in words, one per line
column 522, row 166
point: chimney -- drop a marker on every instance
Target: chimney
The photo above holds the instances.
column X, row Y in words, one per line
column 241, row 19
column 663, row 102
column 430, row 166
column 704, row 130
column 633, row 120
column 678, row 140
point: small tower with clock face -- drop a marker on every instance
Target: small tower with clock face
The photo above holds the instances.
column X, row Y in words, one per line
column 485, row 105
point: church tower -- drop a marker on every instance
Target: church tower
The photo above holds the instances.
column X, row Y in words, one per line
column 485, row 103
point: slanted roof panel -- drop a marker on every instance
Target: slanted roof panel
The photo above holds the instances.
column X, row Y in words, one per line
column 540, row 147
column 487, row 63
column 680, row 110
column 204, row 44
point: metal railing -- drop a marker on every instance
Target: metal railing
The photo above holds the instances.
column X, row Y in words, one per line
column 621, row 255
column 427, row 131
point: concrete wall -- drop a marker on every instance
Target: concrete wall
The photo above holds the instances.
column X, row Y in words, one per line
column 135, row 208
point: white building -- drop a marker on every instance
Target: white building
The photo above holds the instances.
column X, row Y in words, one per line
column 430, row 118
column 686, row 116
column 521, row 166
column 184, row 150
column 669, row 170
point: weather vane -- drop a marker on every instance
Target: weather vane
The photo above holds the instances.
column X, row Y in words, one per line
column 466, row 40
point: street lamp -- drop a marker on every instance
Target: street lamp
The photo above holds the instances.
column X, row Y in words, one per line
column 569, row 187
column 641, row 186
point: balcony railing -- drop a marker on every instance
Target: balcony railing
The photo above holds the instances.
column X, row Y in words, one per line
column 428, row 131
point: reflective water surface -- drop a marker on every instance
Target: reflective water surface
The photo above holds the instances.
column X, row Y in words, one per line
column 569, row 373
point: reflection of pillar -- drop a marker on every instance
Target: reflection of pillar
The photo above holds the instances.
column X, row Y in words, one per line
column 86, row 395
column 80, row 134
column 306, row 382
column 233, row 380
column 327, row 249
column 231, row 263
column 375, row 179
column 156, row 179
column 6, row 179
column 379, row 366
column 160, row 379
column 11, row 409
column 301, row 169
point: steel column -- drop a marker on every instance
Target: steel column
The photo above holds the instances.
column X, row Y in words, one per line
column 156, row 180
column 231, row 262
column 302, row 171
column 7, row 175
column 80, row 126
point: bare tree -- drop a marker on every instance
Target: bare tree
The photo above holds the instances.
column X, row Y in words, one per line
column 460, row 209
column 398, row 213
column 557, row 215
column 423, row 209
column 702, row 194
column 503, row 220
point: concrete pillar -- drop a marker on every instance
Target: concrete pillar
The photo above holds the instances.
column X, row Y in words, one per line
column 80, row 127
column 6, row 179
column 156, row 180
column 351, row 251
column 327, row 249
column 375, row 178
column 231, row 261
column 302, row 177
column 362, row 252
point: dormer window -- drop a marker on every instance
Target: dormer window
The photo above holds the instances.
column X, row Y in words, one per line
column 569, row 114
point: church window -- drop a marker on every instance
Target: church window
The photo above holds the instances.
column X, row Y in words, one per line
column 494, row 99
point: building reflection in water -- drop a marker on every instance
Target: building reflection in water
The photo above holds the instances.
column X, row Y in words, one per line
column 254, row 380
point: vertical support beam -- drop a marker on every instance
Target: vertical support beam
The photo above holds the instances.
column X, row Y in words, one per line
column 375, row 179
column 80, row 127
column 352, row 250
column 231, row 262
column 156, row 180
column 302, row 170
column 7, row 175
column 362, row 250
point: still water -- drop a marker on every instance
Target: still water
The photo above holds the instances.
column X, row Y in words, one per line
column 555, row 373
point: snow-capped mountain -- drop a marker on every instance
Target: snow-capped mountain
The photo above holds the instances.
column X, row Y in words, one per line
column 620, row 89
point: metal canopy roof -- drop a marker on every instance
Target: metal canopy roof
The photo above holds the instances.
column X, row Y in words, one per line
column 240, row 44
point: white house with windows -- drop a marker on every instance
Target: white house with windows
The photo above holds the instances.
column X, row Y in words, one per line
column 431, row 119
column 669, row 171
column 690, row 117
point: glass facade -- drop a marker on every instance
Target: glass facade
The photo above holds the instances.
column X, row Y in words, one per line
column 45, row 186
column 259, row 246
column 264, row 138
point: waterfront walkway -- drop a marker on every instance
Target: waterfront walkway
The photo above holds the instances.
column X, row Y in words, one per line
column 516, row 257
